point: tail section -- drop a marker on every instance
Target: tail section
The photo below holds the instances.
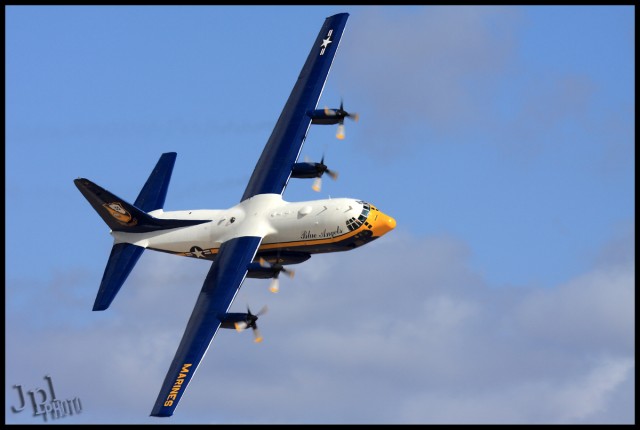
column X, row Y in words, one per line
column 123, row 216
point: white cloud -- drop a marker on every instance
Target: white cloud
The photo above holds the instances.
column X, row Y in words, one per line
column 400, row 331
column 597, row 307
column 577, row 401
column 554, row 400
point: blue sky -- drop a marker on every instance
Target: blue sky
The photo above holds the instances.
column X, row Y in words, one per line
column 500, row 138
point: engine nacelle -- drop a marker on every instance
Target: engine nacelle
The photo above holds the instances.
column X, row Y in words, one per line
column 242, row 321
column 326, row 116
column 270, row 265
column 235, row 320
column 257, row 271
column 308, row 170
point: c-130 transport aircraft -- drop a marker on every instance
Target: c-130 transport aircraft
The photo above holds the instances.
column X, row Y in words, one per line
column 254, row 238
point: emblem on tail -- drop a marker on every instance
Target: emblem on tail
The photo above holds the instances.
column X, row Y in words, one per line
column 120, row 214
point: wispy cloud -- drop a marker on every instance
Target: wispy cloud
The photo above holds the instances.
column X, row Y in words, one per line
column 459, row 74
column 400, row 331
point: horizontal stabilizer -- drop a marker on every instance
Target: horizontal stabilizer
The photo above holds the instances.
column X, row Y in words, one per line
column 122, row 216
column 123, row 258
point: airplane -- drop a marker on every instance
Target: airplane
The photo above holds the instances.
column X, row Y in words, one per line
column 255, row 238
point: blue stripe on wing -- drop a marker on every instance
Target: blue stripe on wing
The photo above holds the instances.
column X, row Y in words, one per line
column 220, row 287
column 273, row 170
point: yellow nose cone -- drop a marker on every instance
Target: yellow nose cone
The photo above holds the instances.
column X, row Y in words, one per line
column 382, row 224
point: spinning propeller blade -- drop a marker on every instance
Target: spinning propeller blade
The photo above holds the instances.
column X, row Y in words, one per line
column 251, row 322
column 341, row 114
column 274, row 287
column 257, row 337
column 344, row 114
column 322, row 169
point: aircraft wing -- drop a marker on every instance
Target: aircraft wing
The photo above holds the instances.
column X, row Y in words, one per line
column 220, row 288
column 270, row 176
column 273, row 170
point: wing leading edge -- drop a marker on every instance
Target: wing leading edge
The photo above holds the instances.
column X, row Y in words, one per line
column 273, row 170
column 220, row 287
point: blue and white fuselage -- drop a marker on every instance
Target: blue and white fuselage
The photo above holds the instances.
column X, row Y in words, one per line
column 302, row 227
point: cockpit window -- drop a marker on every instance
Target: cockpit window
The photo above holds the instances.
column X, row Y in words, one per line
column 354, row 223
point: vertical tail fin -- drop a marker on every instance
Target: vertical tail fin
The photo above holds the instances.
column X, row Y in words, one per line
column 123, row 216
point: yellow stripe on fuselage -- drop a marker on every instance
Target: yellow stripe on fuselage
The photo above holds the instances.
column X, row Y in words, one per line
column 293, row 244
column 377, row 223
column 313, row 242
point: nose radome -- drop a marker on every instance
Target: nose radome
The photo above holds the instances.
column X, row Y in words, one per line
column 383, row 224
column 392, row 223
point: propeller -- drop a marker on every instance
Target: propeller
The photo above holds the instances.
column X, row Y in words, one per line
column 342, row 114
column 278, row 268
column 322, row 169
column 251, row 322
